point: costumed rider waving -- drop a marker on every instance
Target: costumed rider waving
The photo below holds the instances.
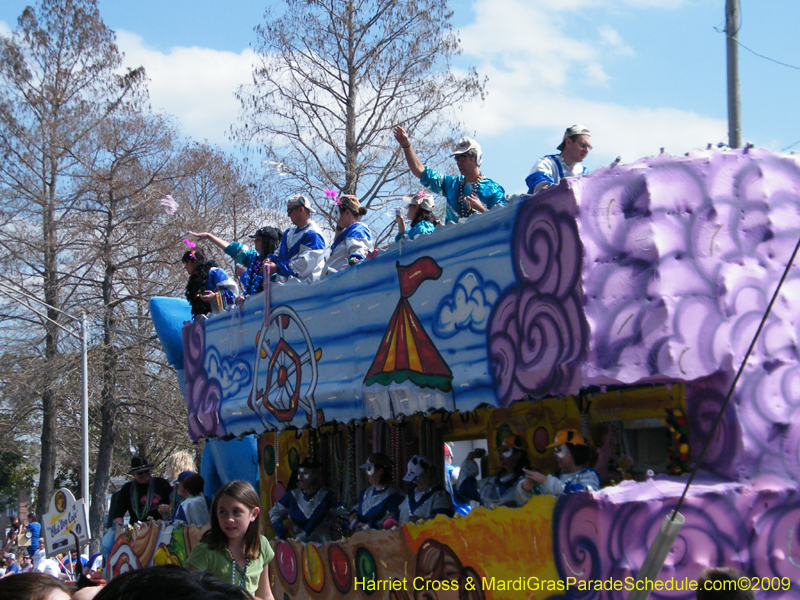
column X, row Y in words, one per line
column 265, row 240
column 467, row 193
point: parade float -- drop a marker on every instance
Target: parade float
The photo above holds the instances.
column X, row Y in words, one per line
column 626, row 298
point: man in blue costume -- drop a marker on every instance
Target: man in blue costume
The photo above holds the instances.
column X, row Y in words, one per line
column 310, row 507
column 302, row 251
column 551, row 169
column 467, row 193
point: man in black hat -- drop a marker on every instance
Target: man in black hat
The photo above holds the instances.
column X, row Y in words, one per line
column 140, row 498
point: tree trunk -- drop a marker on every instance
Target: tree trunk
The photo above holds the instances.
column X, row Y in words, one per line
column 47, row 467
column 108, row 398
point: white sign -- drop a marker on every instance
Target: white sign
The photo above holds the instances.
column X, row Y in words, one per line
column 64, row 517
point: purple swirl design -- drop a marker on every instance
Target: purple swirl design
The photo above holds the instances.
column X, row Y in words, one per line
column 775, row 549
column 538, row 332
column 704, row 400
column 681, row 257
column 203, row 395
column 598, row 539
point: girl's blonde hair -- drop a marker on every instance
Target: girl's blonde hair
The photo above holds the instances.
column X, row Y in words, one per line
column 215, row 538
column 177, row 463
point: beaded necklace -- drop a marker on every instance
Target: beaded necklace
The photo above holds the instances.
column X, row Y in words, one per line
column 254, row 278
column 233, row 570
column 464, row 208
column 141, row 515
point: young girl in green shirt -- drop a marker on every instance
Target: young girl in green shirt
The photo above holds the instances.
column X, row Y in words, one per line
column 234, row 549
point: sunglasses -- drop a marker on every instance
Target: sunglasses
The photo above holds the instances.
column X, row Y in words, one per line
column 462, row 157
column 584, row 146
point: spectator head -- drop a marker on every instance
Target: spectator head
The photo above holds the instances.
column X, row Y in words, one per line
column 140, row 469
column 243, row 493
column 571, row 449
column 379, row 469
column 721, row 584
column 33, row 586
column 41, row 543
column 193, row 484
column 575, row 145
column 267, row 240
column 350, row 210
column 10, row 558
column 169, row 582
column 467, row 153
column 448, row 453
column 32, row 518
column 180, row 461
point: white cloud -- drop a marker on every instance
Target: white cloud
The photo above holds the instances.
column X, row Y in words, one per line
column 196, row 85
column 5, row 30
column 541, row 75
column 611, row 38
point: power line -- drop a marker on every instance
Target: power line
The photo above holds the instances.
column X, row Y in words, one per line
column 783, row 64
column 791, row 146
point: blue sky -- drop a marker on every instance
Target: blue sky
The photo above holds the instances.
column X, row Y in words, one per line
column 641, row 74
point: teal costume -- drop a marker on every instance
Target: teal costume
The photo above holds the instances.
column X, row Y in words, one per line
column 421, row 228
column 490, row 193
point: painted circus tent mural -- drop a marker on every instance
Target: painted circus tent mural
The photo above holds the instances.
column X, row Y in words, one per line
column 624, row 300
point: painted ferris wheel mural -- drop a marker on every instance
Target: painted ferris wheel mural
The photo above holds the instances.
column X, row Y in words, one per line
column 285, row 374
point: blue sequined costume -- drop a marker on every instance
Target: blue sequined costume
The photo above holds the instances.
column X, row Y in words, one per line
column 311, row 516
column 375, row 505
column 490, row 193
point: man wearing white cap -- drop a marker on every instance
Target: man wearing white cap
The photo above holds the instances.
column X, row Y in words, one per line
column 574, row 147
column 301, row 254
column 467, row 193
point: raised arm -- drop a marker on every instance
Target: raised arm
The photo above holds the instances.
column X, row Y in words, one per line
column 414, row 163
column 204, row 235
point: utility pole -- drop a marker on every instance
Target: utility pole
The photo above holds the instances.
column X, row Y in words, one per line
column 734, row 102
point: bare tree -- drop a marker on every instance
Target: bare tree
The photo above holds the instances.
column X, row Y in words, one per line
column 124, row 246
column 334, row 76
column 59, row 79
